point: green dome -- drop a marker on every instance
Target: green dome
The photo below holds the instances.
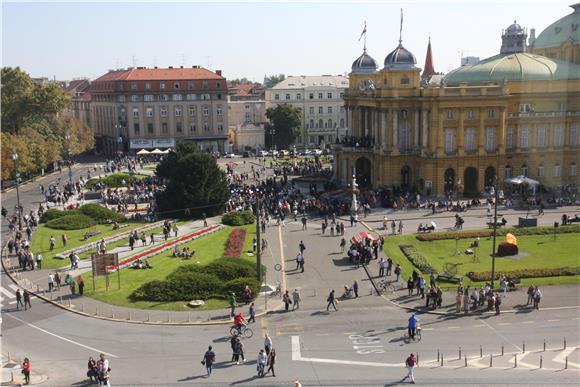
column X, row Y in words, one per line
column 514, row 67
column 563, row 30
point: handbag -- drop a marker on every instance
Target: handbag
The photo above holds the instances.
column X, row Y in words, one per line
column 203, row 362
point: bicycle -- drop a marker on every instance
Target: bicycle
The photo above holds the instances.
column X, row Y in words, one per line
column 385, row 286
column 243, row 331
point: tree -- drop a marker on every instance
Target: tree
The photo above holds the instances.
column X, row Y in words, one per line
column 238, row 81
column 272, row 80
column 195, row 184
column 285, row 122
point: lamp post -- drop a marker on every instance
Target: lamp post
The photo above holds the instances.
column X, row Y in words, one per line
column 15, row 159
column 494, row 231
column 69, row 158
column 354, row 205
column 272, row 133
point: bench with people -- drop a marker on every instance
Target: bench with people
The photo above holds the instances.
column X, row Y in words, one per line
column 186, row 253
column 502, row 223
column 90, row 234
column 568, row 219
column 139, row 264
column 426, row 228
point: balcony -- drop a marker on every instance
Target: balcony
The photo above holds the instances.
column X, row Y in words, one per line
column 543, row 114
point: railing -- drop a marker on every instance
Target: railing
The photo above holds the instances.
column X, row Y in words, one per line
column 543, row 114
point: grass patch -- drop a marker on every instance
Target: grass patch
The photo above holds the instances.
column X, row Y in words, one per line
column 207, row 249
column 543, row 252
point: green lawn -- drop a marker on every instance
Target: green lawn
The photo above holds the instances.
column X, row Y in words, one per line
column 206, row 248
column 543, row 252
column 41, row 241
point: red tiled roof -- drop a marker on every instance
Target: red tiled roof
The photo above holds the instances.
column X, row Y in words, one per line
column 245, row 89
column 165, row 74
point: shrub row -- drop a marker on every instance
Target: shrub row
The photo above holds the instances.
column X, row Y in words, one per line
column 238, row 218
column 216, row 280
column 101, row 214
column 471, row 234
column 525, row 273
column 111, row 181
column 53, row 213
column 418, row 260
column 70, row 222
column 235, row 243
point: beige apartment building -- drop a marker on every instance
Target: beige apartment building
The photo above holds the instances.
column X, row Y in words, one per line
column 148, row 108
column 246, row 116
column 321, row 100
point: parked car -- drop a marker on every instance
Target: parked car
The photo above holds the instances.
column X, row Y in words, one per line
column 263, row 153
column 229, row 155
column 273, row 153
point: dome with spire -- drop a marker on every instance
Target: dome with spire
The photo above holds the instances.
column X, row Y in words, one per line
column 400, row 58
column 364, row 64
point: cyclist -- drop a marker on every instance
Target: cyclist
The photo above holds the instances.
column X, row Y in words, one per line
column 412, row 326
column 240, row 322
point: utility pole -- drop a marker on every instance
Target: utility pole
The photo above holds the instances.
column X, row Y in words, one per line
column 258, row 242
column 15, row 159
column 494, row 232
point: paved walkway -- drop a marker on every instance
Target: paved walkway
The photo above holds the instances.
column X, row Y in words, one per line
column 11, row 374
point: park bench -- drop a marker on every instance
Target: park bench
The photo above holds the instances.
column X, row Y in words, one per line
column 450, row 277
column 498, row 224
column 90, row 234
column 121, row 226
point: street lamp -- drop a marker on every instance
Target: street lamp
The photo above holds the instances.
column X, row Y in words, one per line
column 69, row 158
column 496, row 196
column 272, row 133
column 15, row 159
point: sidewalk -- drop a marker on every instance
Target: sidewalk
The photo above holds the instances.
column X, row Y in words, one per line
column 12, row 373
column 36, row 282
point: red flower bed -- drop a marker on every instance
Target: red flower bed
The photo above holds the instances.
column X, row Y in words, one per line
column 235, row 243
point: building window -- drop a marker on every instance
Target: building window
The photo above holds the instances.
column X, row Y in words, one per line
column 572, row 169
column 541, row 137
column 149, row 112
column 342, row 109
column 298, row 96
column 449, row 114
column 121, row 98
column 164, row 97
column 342, row 95
column 163, row 111
column 525, row 170
column 508, row 171
column 311, row 110
column 164, row 127
column 311, row 124
column 329, row 123
column 220, row 127
column 135, row 113
column 177, row 97
column 557, row 170
column 329, row 110
column 540, row 170
column 320, row 124
column 509, row 140
column 404, row 114
column 320, row 95
column 248, row 117
column 150, row 127
column 192, row 128
column 219, row 110
column 342, row 122
column 206, row 110
column 147, row 85
column 490, row 113
column 469, row 140
column 524, row 138
column 206, row 127
column 134, row 98
column 133, row 85
column 311, row 96
column 558, row 135
column 525, row 108
column 177, row 111
column 490, row 139
column 471, row 114
column 148, row 98
column 320, row 110
column 189, row 85
column 218, row 85
column 287, row 96
column 178, row 127
column 205, row 96
column 136, row 128
column 277, row 97
column 191, row 97
column 204, row 84
column 329, row 95
column 449, row 140
column 192, row 111
column 162, row 85
column 574, row 134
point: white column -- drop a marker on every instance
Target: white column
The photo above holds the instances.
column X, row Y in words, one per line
column 425, row 142
column 416, row 134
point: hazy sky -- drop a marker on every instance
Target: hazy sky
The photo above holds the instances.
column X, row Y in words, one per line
column 81, row 39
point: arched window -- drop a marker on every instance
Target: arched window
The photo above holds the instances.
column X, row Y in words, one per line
column 540, row 170
column 525, row 170
column 320, row 123
column 557, row 170
column 342, row 122
column 329, row 123
column 508, row 171
column 312, row 124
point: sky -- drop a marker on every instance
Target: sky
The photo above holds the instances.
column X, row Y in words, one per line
column 79, row 39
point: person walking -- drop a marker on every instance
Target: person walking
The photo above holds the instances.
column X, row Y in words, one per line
column 389, row 266
column 233, row 341
column 398, row 272
column 342, row 245
column 39, row 261
column 302, row 247
column 267, row 344
column 394, row 227
column 208, row 360
column 412, row 326
column 301, row 262
column 81, row 284
column 530, row 295
column 271, row 362
column 232, row 304
column 381, row 265
column 331, row 301
column 26, row 297
column 355, row 288
column 296, row 298
column 287, row 301
column 26, row 368
column 240, row 351
column 497, row 303
column 261, row 363
column 50, row 282
column 18, row 299
column 410, row 364
column 252, row 314
column 400, row 226
column 537, row 298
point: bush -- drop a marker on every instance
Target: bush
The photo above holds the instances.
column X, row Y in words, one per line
column 238, row 218
column 525, row 273
column 468, row 234
column 417, row 259
column 101, row 214
column 228, row 269
column 70, row 222
column 182, row 286
column 53, row 213
column 235, row 243
column 160, row 291
column 238, row 285
column 111, row 181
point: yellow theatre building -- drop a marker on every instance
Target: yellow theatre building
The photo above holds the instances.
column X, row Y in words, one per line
column 516, row 113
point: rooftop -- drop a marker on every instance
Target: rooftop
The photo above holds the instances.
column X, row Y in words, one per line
column 302, row 81
column 159, row 74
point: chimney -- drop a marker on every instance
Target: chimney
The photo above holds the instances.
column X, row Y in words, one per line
column 155, row 67
column 218, row 72
column 180, row 67
column 170, row 67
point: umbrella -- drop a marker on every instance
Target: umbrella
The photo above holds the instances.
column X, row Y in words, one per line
column 143, row 152
column 157, row 151
column 361, row 236
column 518, row 180
column 166, row 151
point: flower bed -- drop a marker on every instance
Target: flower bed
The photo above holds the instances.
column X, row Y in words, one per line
column 436, row 236
column 525, row 273
column 235, row 243
column 418, row 260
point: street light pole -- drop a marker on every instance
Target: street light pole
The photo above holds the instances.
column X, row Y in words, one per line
column 494, row 233
column 272, row 132
column 15, row 159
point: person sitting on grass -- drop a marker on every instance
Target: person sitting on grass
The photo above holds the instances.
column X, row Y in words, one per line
column 176, row 252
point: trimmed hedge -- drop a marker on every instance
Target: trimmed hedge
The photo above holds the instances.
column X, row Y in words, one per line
column 525, row 273
column 468, row 234
column 70, row 222
column 54, row 213
column 235, row 243
column 239, row 284
column 418, row 260
column 228, row 269
column 111, row 181
column 238, row 218
column 101, row 214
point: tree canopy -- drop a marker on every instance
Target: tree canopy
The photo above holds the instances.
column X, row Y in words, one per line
column 285, row 122
column 195, row 184
column 272, row 80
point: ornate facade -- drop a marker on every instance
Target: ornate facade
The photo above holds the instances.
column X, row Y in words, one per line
column 517, row 113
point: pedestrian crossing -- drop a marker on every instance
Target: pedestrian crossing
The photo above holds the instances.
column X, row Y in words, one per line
column 8, row 295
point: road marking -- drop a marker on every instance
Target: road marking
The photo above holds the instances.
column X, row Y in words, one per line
column 427, row 329
column 322, row 334
column 60, row 337
column 554, row 320
column 13, row 287
column 504, row 324
column 282, row 259
column 528, row 322
column 452, row 327
column 14, row 302
column 6, row 293
column 478, row 325
column 501, row 335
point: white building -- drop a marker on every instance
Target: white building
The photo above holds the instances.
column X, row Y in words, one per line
column 321, row 100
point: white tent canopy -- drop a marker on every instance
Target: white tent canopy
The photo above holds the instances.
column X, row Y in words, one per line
column 519, row 180
column 166, row 151
column 143, row 152
column 156, row 151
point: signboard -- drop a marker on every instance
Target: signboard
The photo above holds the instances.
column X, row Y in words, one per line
column 100, row 262
column 164, row 143
column 140, row 143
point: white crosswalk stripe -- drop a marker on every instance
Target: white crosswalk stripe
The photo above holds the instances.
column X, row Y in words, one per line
column 13, row 287
column 6, row 296
column 6, row 293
